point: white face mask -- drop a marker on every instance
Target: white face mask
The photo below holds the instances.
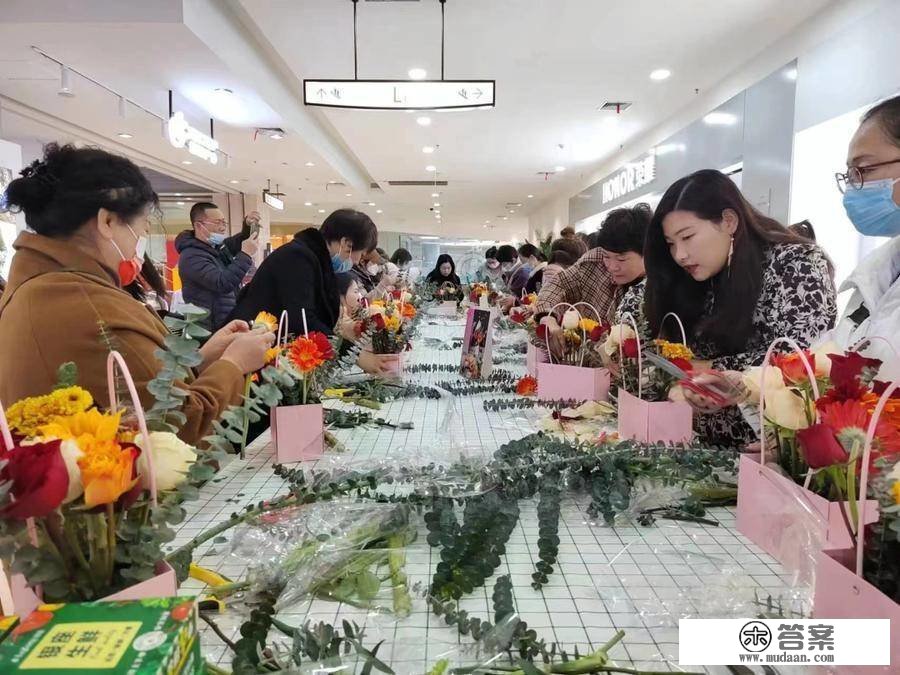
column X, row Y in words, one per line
column 141, row 247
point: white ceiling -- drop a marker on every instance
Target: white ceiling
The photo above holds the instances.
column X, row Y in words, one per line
column 554, row 63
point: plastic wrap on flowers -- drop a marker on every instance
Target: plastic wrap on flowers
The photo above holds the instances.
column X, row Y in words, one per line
column 330, row 550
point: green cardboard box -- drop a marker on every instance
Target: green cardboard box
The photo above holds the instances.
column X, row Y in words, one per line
column 153, row 636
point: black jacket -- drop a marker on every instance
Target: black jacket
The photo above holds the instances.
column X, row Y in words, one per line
column 211, row 276
column 295, row 276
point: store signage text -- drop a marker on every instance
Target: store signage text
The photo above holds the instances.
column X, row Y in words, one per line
column 399, row 94
column 183, row 135
column 631, row 177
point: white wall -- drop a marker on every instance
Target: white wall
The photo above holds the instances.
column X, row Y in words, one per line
column 837, row 81
column 10, row 158
column 550, row 217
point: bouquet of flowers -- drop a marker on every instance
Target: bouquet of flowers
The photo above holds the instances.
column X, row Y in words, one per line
column 882, row 555
column 582, row 336
column 447, row 292
column 305, row 359
column 479, row 289
column 77, row 515
column 819, row 441
column 387, row 322
column 655, row 382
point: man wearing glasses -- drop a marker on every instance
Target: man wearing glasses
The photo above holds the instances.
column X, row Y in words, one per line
column 213, row 266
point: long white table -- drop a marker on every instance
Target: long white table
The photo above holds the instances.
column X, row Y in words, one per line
column 640, row 579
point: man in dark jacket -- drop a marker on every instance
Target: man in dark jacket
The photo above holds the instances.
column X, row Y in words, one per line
column 211, row 265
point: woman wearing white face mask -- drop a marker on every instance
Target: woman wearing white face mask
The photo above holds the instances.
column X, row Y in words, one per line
column 871, row 188
column 87, row 212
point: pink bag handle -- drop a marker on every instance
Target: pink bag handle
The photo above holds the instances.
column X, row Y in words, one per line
column 583, row 331
column 281, row 336
column 864, row 473
column 810, row 373
column 627, row 316
column 114, row 359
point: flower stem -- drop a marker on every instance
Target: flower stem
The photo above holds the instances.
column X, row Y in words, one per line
column 851, row 495
column 247, row 381
column 111, row 540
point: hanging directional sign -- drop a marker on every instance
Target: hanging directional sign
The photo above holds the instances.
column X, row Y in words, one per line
column 399, row 94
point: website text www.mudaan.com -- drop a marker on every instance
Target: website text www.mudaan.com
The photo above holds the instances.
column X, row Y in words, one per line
column 786, row 658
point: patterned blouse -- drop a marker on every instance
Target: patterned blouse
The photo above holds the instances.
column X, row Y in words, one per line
column 797, row 300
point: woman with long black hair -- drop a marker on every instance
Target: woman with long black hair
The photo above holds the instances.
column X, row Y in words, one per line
column 737, row 279
column 444, row 272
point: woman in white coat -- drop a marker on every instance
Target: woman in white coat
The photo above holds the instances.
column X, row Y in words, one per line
column 871, row 188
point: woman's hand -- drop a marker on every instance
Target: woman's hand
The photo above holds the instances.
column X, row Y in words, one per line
column 346, row 328
column 611, row 364
column 248, row 350
column 374, row 364
column 213, row 349
column 726, row 384
column 506, row 303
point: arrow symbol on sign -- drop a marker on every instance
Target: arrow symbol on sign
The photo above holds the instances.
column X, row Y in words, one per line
column 463, row 93
column 477, row 93
column 321, row 93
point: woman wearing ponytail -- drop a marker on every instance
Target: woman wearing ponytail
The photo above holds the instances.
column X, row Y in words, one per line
column 87, row 212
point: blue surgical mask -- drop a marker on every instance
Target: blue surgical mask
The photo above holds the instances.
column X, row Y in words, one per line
column 339, row 265
column 872, row 210
column 216, row 239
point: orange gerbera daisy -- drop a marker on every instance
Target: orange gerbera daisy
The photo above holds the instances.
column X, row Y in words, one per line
column 527, row 386
column 409, row 312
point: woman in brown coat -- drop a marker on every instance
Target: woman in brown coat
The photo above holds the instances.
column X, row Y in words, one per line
column 88, row 212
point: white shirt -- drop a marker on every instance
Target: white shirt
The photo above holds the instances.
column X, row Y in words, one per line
column 874, row 309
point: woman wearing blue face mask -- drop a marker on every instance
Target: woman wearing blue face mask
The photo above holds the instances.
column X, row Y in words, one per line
column 299, row 277
column 871, row 188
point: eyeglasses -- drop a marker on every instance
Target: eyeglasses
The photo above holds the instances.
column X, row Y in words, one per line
column 855, row 176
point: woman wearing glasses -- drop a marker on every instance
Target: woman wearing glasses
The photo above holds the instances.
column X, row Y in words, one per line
column 871, row 190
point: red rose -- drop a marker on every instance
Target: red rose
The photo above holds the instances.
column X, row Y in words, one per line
column 599, row 332
column 684, row 364
column 39, row 479
column 323, row 343
column 847, row 370
column 821, row 447
column 397, row 294
column 879, row 387
column 630, row 348
column 541, row 331
column 378, row 320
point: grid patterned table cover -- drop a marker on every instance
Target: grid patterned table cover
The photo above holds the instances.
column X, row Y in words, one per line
column 640, row 579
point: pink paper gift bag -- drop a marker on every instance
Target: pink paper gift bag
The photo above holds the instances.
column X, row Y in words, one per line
column 557, row 382
column 654, row 421
column 841, row 592
column 298, row 432
column 25, row 599
column 393, row 363
column 786, row 520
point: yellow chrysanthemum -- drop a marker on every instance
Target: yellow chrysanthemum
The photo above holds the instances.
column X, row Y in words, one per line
column 896, row 490
column 674, row 350
column 392, row 322
column 272, row 354
column 587, row 325
column 91, row 424
column 28, row 415
column 266, row 320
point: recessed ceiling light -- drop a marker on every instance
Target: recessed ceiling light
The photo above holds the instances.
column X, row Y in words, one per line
column 307, row 203
column 717, row 118
column 504, row 217
column 486, row 222
column 124, row 134
column 428, row 149
column 559, row 169
column 431, row 167
column 423, row 121
column 371, row 203
column 234, row 181
column 186, row 161
column 310, row 164
column 417, row 73
column 512, row 210
column 660, row 74
column 177, row 194
column 437, row 204
column 437, row 211
column 530, row 196
column 348, row 194
column 276, row 137
column 435, row 194
column 180, row 203
column 378, row 211
column 321, row 210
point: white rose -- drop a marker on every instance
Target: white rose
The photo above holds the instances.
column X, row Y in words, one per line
column 71, row 453
column 571, row 319
column 753, row 376
column 617, row 335
column 376, row 309
column 823, row 363
column 172, row 459
column 785, row 408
